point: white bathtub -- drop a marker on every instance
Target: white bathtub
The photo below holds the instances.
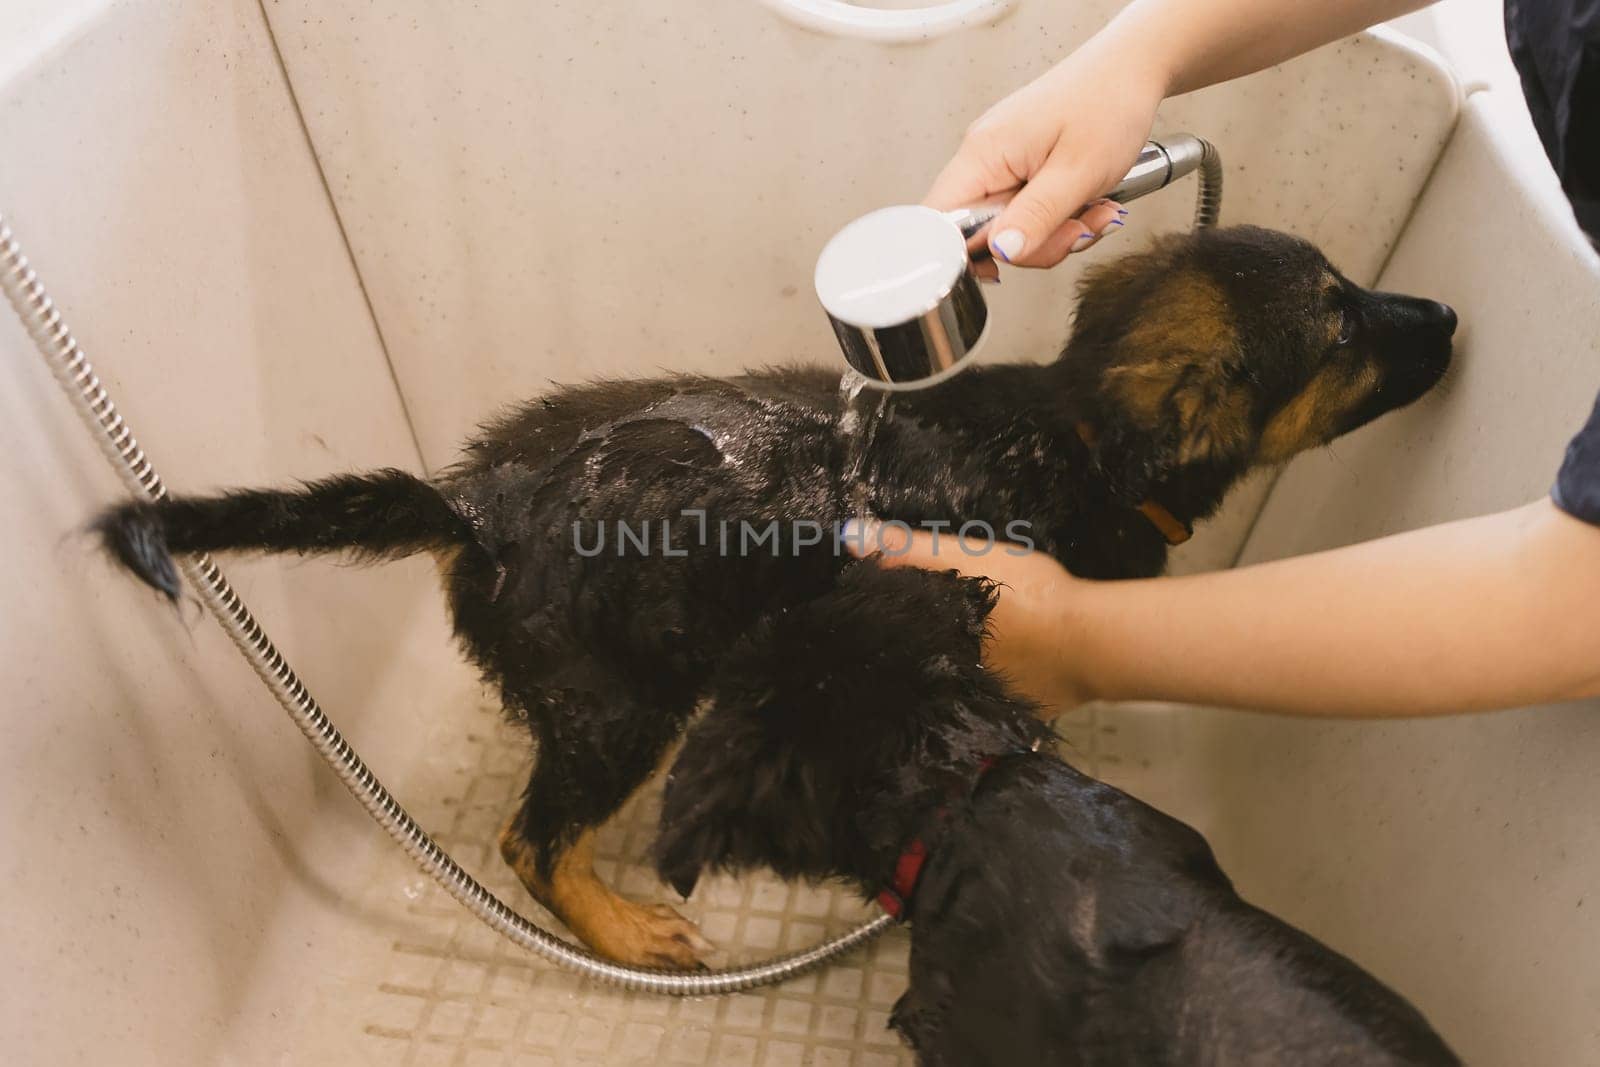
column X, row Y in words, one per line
column 302, row 237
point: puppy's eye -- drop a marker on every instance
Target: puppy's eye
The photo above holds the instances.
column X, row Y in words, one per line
column 1347, row 328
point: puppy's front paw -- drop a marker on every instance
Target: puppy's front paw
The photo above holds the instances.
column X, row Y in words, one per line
column 647, row 935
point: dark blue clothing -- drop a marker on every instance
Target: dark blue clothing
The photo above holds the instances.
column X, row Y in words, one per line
column 1577, row 489
column 1556, row 47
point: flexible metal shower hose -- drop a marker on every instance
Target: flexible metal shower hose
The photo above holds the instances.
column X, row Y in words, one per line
column 71, row 368
column 1208, row 198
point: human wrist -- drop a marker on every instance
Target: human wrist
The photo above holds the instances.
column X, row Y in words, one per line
column 1135, row 55
column 1076, row 663
column 1114, row 61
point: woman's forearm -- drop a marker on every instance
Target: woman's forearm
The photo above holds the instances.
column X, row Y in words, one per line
column 1195, row 43
column 1498, row 611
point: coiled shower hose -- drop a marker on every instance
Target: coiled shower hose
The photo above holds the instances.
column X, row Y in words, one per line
column 72, row 369
column 1208, row 195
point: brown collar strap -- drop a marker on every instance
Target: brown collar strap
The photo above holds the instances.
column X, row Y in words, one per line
column 1166, row 523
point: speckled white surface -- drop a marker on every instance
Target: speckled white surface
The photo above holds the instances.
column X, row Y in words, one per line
column 421, row 982
column 167, row 845
column 1471, row 35
column 548, row 193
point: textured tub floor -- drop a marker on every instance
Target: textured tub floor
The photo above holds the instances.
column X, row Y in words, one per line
column 416, row 981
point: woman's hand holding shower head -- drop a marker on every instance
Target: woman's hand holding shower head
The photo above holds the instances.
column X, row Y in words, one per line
column 1053, row 147
column 1068, row 137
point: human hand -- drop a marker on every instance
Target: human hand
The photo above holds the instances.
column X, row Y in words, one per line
column 1057, row 144
column 1031, row 639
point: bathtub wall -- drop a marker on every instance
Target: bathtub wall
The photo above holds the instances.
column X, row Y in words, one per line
column 546, row 193
column 1477, row 837
column 166, row 863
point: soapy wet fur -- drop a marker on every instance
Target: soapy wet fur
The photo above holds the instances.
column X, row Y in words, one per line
column 1188, row 364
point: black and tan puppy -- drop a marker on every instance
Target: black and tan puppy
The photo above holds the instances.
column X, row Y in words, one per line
column 1055, row 920
column 1188, row 365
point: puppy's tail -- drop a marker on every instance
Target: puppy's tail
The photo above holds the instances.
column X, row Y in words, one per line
column 386, row 514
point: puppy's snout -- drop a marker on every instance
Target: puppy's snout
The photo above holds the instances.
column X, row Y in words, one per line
column 1444, row 315
column 1413, row 315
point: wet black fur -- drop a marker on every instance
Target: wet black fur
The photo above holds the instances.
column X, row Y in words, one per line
column 607, row 656
column 377, row 515
column 1058, row 920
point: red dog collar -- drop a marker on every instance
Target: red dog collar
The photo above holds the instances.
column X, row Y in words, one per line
column 895, row 897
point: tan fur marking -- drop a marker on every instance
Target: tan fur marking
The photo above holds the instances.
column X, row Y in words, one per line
column 1213, row 425
column 643, row 935
column 1311, row 417
column 1193, row 330
column 1142, row 387
column 1178, row 358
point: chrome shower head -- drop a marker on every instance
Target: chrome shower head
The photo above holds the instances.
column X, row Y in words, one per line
column 900, row 291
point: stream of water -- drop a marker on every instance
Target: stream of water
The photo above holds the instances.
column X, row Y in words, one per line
column 861, row 410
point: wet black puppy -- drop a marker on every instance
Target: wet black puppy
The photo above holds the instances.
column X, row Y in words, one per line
column 1056, row 920
column 605, row 544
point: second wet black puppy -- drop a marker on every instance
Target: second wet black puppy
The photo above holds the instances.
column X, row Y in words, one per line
column 1056, row 920
column 606, row 544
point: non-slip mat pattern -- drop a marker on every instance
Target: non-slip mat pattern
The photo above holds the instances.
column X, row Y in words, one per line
column 420, row 982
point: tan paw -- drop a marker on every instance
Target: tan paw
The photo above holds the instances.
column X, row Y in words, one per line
column 641, row 935
column 644, row 935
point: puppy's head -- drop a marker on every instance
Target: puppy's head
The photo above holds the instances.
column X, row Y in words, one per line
column 1224, row 349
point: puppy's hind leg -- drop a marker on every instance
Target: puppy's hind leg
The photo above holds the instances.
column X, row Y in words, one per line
column 595, row 750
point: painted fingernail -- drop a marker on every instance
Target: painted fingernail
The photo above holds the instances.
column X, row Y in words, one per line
column 1111, row 227
column 1083, row 241
column 1008, row 244
column 1122, row 211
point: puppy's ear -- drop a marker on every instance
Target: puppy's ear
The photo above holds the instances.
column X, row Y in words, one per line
column 1170, row 413
column 1156, row 345
column 706, row 791
column 739, row 795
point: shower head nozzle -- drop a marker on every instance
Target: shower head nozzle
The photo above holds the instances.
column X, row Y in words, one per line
column 899, row 288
